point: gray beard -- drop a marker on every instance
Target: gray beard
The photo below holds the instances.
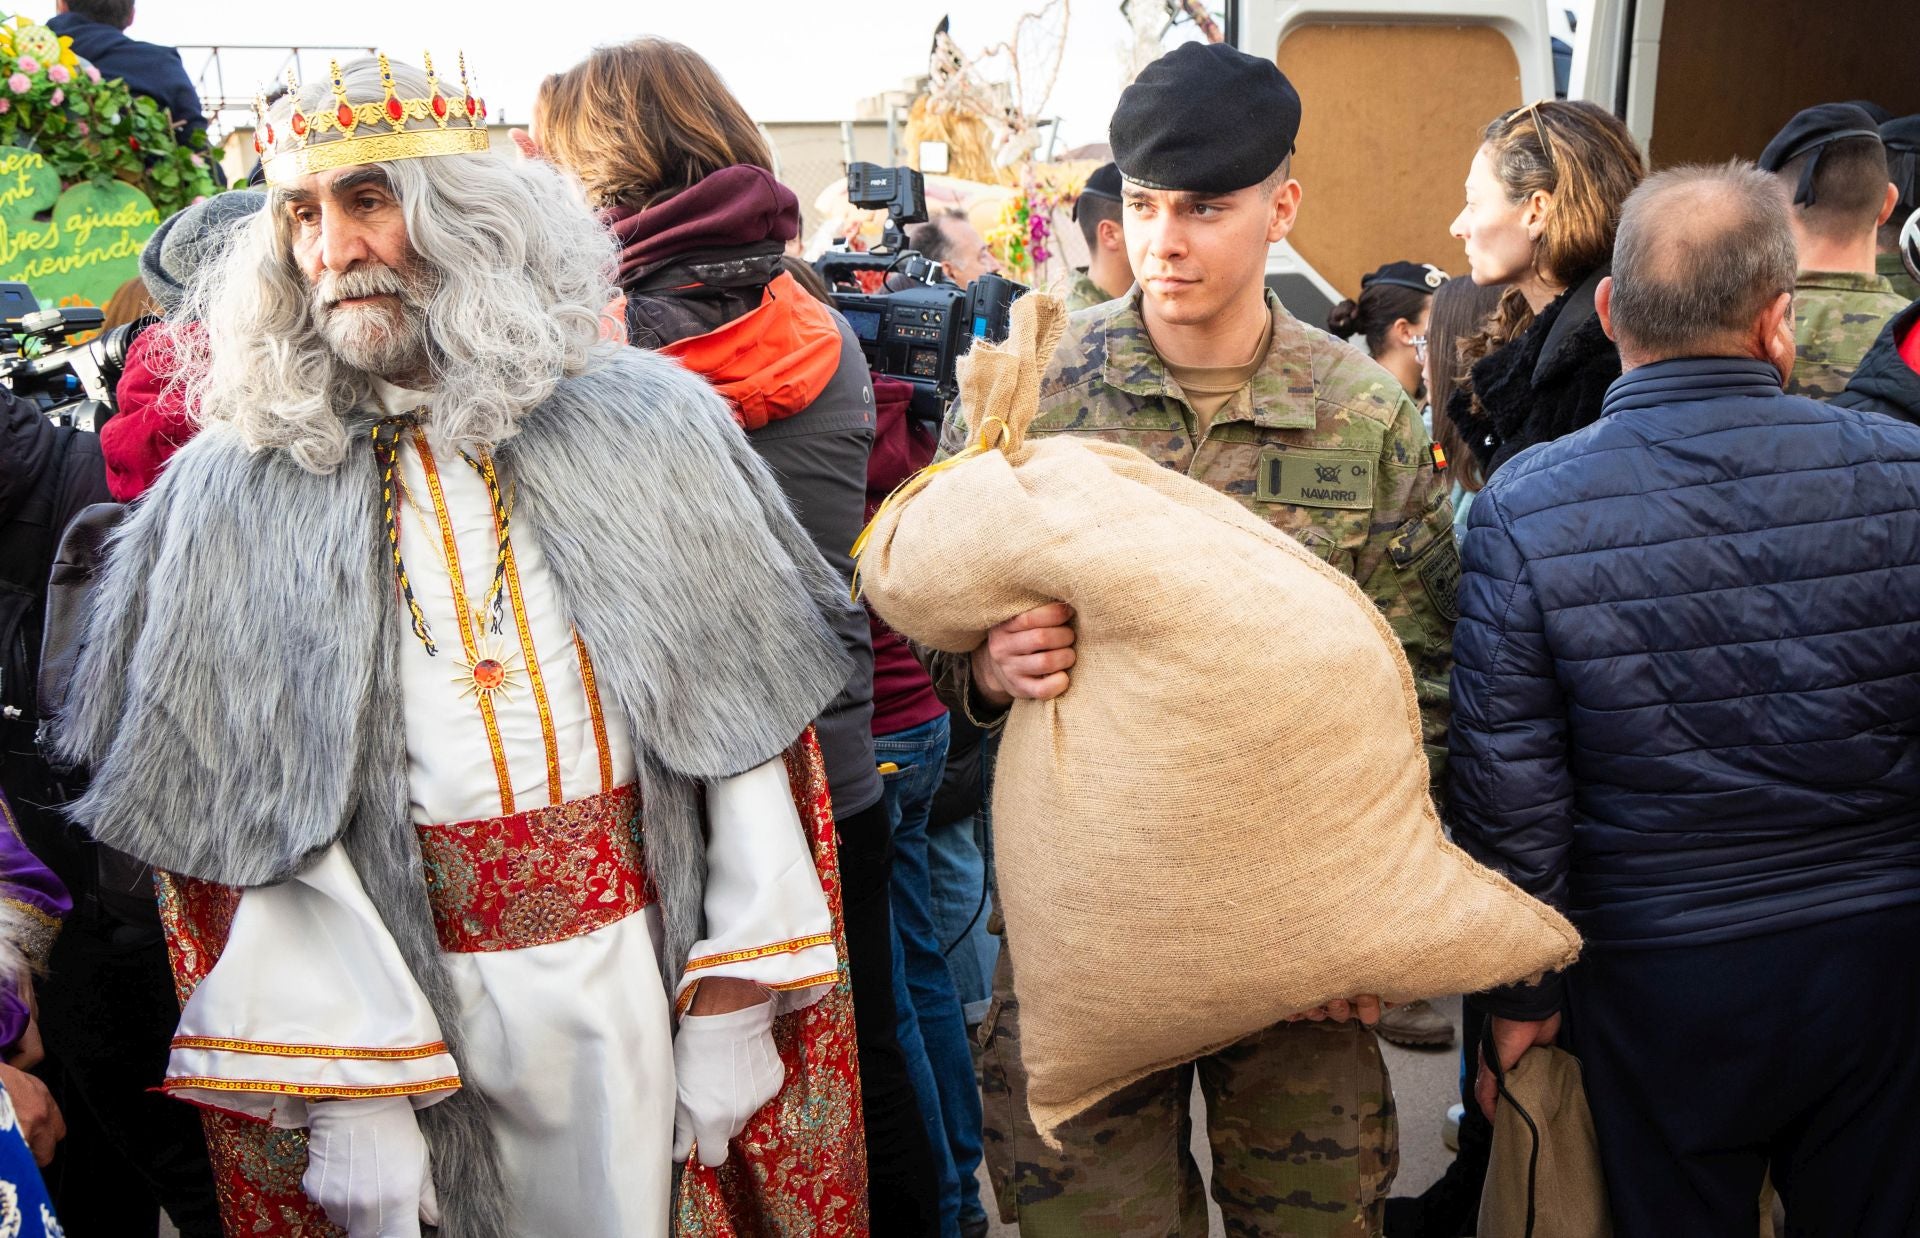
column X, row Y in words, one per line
column 386, row 343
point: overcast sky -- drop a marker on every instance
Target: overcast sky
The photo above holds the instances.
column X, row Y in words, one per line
column 786, row 59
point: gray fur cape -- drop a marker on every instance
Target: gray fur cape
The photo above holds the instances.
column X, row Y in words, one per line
column 238, row 695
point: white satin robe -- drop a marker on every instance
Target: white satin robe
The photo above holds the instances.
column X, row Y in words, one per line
column 569, row 1042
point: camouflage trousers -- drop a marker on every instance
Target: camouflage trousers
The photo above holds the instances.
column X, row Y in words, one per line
column 1300, row 1119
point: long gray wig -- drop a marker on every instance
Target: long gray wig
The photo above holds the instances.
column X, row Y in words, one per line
column 522, row 272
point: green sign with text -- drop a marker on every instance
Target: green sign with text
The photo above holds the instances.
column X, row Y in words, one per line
column 71, row 247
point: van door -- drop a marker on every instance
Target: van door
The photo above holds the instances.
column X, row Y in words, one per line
column 1394, row 94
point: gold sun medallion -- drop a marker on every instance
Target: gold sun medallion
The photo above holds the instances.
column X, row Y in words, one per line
column 490, row 673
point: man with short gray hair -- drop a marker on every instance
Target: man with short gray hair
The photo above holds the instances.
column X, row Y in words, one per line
column 1686, row 696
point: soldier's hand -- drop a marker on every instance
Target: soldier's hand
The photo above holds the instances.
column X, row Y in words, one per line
column 1027, row 657
column 1365, row 1007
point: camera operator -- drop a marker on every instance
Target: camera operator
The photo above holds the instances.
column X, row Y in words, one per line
column 48, row 474
column 951, row 240
column 684, row 180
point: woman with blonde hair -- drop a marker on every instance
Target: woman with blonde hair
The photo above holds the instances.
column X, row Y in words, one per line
column 684, row 179
column 1543, row 200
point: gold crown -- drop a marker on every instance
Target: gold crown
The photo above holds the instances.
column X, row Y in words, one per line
column 375, row 132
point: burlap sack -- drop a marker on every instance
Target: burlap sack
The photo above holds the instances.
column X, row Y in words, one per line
column 1225, row 819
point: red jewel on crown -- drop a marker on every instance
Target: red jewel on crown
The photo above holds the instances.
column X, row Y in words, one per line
column 483, row 109
column 299, row 124
column 470, row 105
column 439, row 107
column 344, row 115
column 269, row 135
column 395, row 111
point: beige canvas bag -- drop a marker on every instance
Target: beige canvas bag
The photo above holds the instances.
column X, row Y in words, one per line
column 1543, row 1174
column 1225, row 818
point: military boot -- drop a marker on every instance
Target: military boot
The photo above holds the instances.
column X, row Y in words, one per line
column 1415, row 1025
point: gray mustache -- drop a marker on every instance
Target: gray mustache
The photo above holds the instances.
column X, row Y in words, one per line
column 369, row 281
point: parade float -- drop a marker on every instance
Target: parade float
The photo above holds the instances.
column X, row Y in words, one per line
column 87, row 170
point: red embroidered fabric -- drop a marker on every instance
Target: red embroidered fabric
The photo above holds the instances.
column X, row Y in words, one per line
column 540, row 876
column 800, row 1166
column 257, row 1167
column 799, row 1169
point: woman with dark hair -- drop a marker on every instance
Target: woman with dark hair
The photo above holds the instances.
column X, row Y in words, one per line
column 1461, row 310
column 1543, row 200
column 1391, row 312
column 683, row 178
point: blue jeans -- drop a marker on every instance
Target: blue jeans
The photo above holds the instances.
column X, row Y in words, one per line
column 962, row 902
column 932, row 1029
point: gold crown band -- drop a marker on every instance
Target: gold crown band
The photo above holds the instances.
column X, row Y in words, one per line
column 374, row 148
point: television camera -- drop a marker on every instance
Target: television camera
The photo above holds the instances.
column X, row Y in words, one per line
column 918, row 323
column 72, row 383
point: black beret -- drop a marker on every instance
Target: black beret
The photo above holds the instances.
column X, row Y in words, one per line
column 1880, row 115
column 1206, row 118
column 1810, row 131
column 1103, row 183
column 1419, row 276
column 1902, row 134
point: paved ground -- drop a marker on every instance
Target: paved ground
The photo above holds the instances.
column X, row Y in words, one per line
column 1425, row 1082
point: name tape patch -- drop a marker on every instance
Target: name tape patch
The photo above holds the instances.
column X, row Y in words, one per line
column 1316, row 479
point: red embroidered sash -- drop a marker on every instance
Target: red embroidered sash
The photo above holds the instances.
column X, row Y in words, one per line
column 540, row 876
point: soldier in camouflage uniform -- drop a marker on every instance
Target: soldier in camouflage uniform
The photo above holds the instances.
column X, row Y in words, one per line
column 1324, row 443
column 1097, row 211
column 1834, row 164
column 1083, row 293
column 1836, row 317
column 1901, row 137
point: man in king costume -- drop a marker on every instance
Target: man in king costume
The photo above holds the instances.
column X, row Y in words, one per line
column 459, row 674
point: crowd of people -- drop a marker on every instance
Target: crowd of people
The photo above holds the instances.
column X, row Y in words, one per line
column 443, row 743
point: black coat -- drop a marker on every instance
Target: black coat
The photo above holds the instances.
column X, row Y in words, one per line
column 48, row 475
column 1885, row 383
column 819, row 455
column 1549, row 380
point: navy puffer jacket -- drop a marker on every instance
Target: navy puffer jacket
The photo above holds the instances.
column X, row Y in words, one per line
column 1687, row 668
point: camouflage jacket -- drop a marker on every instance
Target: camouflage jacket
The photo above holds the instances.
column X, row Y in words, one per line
column 1894, row 269
column 1322, row 443
column 1083, row 293
column 1836, row 317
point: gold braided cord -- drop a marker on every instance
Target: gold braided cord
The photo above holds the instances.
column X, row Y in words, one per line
column 385, row 454
column 289, row 165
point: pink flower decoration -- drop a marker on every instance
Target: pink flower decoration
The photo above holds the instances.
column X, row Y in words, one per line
column 59, row 97
column 59, row 75
column 6, row 105
column 29, row 65
column 82, row 126
column 19, row 84
column 93, row 75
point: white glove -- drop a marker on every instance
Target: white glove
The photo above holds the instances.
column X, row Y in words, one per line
column 367, row 1167
column 725, row 1067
